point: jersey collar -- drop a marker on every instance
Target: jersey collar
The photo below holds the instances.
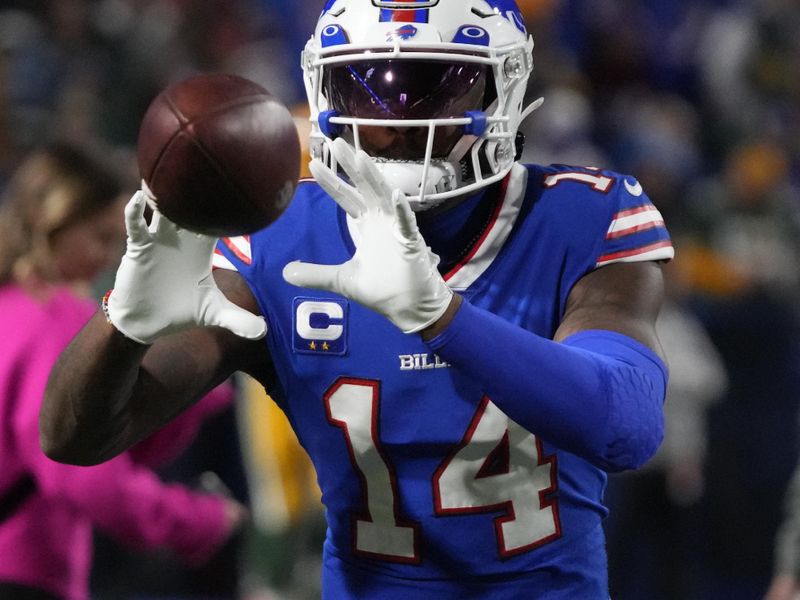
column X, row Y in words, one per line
column 486, row 248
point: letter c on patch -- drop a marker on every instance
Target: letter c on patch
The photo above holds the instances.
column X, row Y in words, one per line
column 319, row 320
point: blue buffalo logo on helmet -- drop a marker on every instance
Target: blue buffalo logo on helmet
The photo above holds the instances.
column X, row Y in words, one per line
column 406, row 32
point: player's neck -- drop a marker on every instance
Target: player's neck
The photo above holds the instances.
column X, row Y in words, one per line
column 453, row 231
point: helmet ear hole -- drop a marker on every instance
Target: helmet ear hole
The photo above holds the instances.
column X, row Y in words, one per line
column 490, row 95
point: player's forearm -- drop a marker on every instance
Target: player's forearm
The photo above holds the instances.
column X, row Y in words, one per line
column 83, row 417
column 591, row 401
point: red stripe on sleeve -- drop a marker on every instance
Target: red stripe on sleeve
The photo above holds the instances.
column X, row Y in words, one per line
column 634, row 251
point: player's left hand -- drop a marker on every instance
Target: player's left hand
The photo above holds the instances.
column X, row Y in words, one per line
column 392, row 271
column 164, row 282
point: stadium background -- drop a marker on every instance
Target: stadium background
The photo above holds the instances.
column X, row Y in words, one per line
column 699, row 99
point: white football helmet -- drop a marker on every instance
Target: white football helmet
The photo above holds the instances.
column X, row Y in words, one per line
column 432, row 90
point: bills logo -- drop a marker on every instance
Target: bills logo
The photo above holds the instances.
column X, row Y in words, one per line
column 320, row 326
column 406, row 32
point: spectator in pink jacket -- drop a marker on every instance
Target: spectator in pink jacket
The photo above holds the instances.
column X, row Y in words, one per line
column 60, row 226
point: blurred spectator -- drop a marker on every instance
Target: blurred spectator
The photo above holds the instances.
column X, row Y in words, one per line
column 655, row 136
column 753, row 321
column 56, row 65
column 786, row 581
column 748, row 63
column 752, row 444
column 86, row 70
column 749, row 214
column 211, row 463
column 653, row 515
column 284, row 556
column 60, row 225
column 561, row 131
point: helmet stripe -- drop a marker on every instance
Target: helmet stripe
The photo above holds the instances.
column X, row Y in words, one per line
column 405, row 15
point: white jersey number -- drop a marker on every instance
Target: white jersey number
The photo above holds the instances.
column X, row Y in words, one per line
column 353, row 406
column 498, row 467
column 599, row 183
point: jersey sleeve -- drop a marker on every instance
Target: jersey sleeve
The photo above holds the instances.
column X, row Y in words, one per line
column 637, row 231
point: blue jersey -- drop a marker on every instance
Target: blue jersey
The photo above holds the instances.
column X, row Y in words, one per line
column 430, row 490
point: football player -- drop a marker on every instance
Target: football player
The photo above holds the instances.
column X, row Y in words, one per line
column 464, row 344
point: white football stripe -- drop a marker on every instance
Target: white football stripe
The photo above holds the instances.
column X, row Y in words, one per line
column 242, row 244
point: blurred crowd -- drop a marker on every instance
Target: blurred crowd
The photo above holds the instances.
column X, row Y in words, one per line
column 698, row 99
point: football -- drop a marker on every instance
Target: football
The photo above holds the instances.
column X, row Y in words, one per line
column 220, row 154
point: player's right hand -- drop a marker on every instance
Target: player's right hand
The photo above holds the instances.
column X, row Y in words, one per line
column 164, row 282
column 392, row 272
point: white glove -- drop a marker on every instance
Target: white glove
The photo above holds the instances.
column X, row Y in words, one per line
column 392, row 272
column 164, row 282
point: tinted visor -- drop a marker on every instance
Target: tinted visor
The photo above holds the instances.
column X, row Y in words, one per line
column 405, row 90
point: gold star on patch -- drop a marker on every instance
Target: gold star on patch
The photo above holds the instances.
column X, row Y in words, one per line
column 313, row 345
column 325, row 346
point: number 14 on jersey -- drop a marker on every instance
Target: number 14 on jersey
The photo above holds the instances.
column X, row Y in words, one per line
column 498, row 467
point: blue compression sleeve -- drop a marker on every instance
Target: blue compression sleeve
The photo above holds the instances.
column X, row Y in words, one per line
column 598, row 394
